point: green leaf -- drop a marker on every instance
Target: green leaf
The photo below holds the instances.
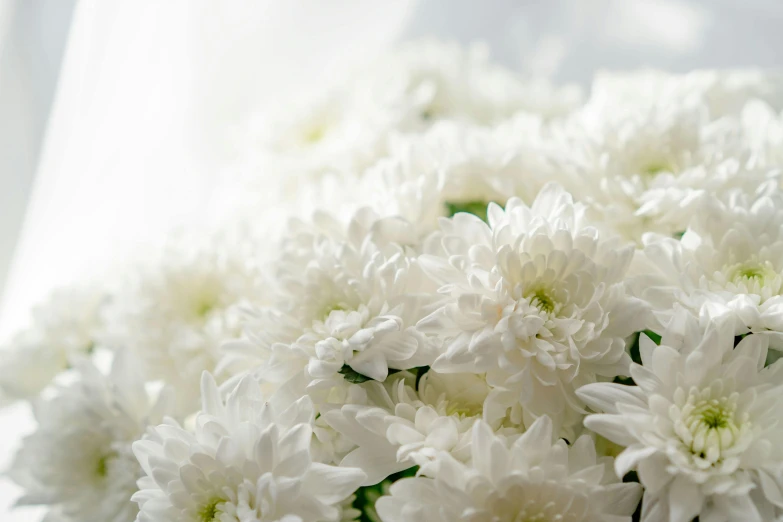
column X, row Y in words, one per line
column 368, row 495
column 631, row 476
column 478, row 208
column 636, row 357
column 654, row 336
column 351, row 375
column 420, row 371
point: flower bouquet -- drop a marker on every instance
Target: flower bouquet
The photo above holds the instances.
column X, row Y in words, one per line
column 441, row 291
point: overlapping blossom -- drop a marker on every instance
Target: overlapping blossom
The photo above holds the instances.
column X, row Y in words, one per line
column 531, row 478
column 535, row 299
column 67, row 326
column 176, row 311
column 456, row 167
column 346, row 305
column 701, row 427
column 409, row 419
column 247, row 460
column 728, row 264
column 644, row 168
column 333, row 139
column 723, row 92
column 79, row 461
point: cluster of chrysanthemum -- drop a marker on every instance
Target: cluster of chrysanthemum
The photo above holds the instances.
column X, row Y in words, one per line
column 492, row 302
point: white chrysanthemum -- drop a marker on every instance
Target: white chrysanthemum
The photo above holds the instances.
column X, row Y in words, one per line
column 176, row 312
column 535, row 299
column 248, row 460
column 429, row 81
column 340, row 132
column 643, row 169
column 455, row 167
column 79, row 460
column 400, row 94
column 64, row 327
column 729, row 263
column 702, row 427
column 531, row 479
column 762, row 128
column 348, row 301
column 724, row 92
column 410, row 420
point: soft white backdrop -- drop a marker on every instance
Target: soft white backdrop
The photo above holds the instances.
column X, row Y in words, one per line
column 149, row 90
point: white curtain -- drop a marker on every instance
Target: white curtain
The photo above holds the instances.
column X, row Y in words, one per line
column 147, row 89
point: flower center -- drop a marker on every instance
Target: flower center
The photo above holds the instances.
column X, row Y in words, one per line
column 752, row 276
column 334, row 307
column 102, row 468
column 203, row 302
column 315, row 134
column 463, row 409
column 523, row 516
column 537, row 502
column 543, row 300
column 711, row 426
column 209, row 512
column 750, row 272
column 203, row 309
column 653, row 168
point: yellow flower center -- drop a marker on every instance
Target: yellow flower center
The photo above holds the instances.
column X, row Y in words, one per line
column 654, row 168
column 209, row 512
column 750, row 271
column 712, row 425
column 315, row 134
column 542, row 299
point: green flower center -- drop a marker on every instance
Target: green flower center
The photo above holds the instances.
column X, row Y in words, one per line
column 715, row 417
column 463, row 410
column 654, row 168
column 750, row 272
column 712, row 426
column 209, row 512
column 334, row 307
column 315, row 134
column 102, row 468
column 543, row 300
column 203, row 309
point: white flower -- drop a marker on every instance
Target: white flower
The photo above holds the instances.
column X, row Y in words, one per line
column 64, row 327
column 762, row 127
column 177, row 311
column 535, row 299
column 347, row 302
column 529, row 479
column 643, row 169
column 79, row 460
column 248, row 460
column 428, row 81
column 729, row 263
column 351, row 126
column 410, row 419
column 456, row 167
column 339, row 132
column 723, row 92
column 702, row 427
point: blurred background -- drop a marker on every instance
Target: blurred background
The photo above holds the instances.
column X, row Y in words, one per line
column 114, row 114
